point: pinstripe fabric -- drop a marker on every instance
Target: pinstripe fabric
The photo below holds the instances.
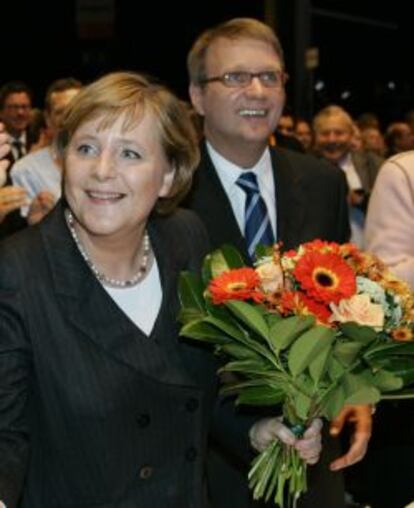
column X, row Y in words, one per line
column 117, row 419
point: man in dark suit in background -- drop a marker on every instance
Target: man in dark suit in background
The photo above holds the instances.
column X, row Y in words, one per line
column 15, row 113
column 237, row 78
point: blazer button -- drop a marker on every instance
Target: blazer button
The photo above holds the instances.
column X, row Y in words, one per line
column 146, row 472
column 143, row 420
column 191, row 405
column 191, row 454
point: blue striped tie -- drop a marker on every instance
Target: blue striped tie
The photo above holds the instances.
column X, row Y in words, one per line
column 257, row 226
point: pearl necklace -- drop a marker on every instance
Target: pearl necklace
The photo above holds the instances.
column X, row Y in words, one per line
column 108, row 281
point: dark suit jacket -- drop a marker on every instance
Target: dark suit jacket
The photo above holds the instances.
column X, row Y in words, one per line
column 92, row 411
column 311, row 203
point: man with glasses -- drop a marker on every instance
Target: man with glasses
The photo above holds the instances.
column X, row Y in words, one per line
column 15, row 112
column 247, row 192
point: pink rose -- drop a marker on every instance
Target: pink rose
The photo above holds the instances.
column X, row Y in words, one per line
column 271, row 277
column 360, row 309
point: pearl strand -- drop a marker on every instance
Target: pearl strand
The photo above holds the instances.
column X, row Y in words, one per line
column 109, row 281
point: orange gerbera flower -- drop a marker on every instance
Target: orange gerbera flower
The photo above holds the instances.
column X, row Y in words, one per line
column 325, row 277
column 237, row 284
column 402, row 334
column 299, row 304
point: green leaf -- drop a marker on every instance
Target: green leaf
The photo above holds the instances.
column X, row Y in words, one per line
column 333, row 403
column 224, row 259
column 190, row 291
column 228, row 328
column 260, row 396
column 318, row 366
column 200, row 330
column 346, row 352
column 188, row 314
column 358, row 391
column 239, row 352
column 247, row 367
column 387, row 381
column 272, row 318
column 250, row 316
column 364, row 334
column 285, row 331
column 335, row 368
column 262, row 251
column 308, row 346
column 389, row 349
column 302, row 405
column 400, row 366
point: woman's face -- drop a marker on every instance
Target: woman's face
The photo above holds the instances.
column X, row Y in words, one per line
column 113, row 178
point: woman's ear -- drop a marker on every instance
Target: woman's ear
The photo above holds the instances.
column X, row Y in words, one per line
column 167, row 183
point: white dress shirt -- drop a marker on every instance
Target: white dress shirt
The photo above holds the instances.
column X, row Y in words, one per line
column 228, row 174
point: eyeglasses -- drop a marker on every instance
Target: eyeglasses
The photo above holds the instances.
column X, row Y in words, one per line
column 240, row 79
column 17, row 107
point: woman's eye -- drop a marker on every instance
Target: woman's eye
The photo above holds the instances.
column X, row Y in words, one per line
column 130, row 154
column 85, row 149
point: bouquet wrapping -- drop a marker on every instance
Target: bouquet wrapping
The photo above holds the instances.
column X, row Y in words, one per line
column 310, row 330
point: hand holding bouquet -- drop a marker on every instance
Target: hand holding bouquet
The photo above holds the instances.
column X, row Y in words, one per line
column 311, row 330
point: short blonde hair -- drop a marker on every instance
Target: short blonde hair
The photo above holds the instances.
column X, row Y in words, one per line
column 237, row 28
column 329, row 112
column 132, row 94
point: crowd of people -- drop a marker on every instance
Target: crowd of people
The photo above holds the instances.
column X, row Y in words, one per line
column 101, row 403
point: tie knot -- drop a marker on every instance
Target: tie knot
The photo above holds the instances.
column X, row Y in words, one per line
column 248, row 182
column 17, row 143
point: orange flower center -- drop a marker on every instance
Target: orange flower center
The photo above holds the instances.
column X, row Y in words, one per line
column 236, row 286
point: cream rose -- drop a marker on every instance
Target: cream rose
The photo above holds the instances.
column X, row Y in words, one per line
column 271, row 277
column 360, row 309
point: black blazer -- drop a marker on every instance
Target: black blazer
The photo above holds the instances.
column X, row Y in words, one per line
column 92, row 411
column 310, row 201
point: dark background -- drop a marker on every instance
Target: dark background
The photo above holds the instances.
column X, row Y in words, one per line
column 365, row 47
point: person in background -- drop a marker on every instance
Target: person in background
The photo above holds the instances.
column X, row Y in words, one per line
column 373, row 141
column 101, row 404
column 11, row 197
column 398, row 138
column 237, row 77
column 389, row 468
column 15, row 112
column 39, row 173
column 38, row 131
column 303, row 132
column 334, row 131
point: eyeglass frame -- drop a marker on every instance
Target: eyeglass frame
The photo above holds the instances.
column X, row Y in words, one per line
column 281, row 75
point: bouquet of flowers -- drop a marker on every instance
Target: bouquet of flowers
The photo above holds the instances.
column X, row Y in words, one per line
column 310, row 330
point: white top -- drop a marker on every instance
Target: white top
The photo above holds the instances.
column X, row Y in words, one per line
column 142, row 302
column 37, row 172
column 228, row 174
column 352, row 177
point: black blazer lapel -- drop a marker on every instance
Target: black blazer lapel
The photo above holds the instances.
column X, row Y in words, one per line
column 93, row 312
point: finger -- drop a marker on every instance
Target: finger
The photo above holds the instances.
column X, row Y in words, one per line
column 314, row 429
column 355, row 453
column 280, row 431
column 338, row 422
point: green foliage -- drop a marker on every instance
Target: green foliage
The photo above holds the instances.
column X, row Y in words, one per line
column 308, row 346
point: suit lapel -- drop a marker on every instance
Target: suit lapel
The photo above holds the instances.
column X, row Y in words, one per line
column 209, row 200
column 92, row 312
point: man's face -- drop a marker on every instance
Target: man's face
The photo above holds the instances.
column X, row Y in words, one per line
column 58, row 103
column 333, row 138
column 234, row 117
column 16, row 112
column 286, row 125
